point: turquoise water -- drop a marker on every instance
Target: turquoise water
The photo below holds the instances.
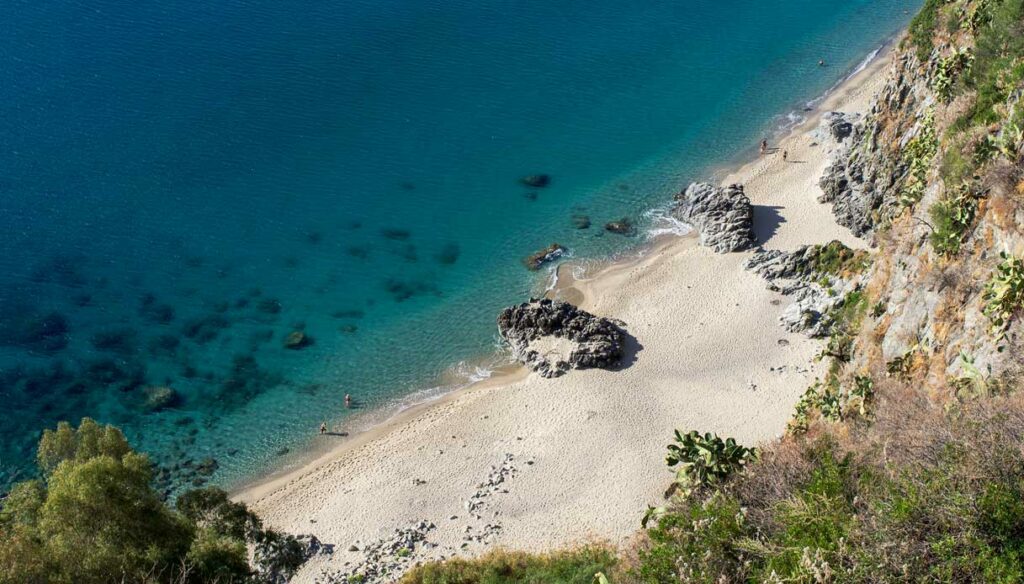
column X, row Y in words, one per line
column 184, row 184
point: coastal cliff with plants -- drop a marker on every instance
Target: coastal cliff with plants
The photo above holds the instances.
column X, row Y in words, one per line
column 904, row 462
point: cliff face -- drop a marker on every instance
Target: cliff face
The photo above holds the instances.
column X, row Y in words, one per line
column 932, row 178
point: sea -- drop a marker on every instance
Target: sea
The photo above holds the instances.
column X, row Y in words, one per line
column 219, row 218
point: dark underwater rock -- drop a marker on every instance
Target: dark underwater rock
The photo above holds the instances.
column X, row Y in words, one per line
column 269, row 306
column 206, row 328
column 46, row 332
column 596, row 342
column 581, row 221
column 722, row 215
column 120, row 340
column 551, row 253
column 449, row 254
column 537, row 181
column 396, row 234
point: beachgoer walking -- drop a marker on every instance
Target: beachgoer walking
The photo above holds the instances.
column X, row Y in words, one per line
column 785, row 155
column 764, row 146
column 348, row 401
column 323, row 427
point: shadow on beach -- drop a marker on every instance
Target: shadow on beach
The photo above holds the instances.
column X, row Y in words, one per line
column 767, row 219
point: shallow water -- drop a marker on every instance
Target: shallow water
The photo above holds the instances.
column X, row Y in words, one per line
column 185, row 184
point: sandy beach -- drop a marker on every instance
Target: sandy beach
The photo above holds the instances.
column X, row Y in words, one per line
column 583, row 454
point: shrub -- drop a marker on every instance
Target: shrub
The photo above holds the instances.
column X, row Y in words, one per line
column 703, row 460
column 918, row 155
column 922, row 28
column 1004, row 294
column 953, row 218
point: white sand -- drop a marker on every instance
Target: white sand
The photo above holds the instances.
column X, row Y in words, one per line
column 710, row 340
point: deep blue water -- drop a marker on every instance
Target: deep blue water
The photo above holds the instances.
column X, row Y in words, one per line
column 183, row 184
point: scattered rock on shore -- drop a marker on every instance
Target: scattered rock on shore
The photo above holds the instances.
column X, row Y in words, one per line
column 722, row 215
column 550, row 253
column 552, row 337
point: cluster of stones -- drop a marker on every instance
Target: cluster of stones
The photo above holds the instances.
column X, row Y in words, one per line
column 598, row 342
column 383, row 560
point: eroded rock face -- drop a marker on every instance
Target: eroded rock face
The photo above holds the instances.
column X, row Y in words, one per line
column 551, row 337
column 815, row 284
column 722, row 215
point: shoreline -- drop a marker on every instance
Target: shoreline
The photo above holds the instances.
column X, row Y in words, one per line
column 313, row 455
column 374, row 467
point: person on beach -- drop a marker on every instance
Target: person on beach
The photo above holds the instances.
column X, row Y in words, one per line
column 348, row 401
column 764, row 146
column 323, row 428
column 785, row 155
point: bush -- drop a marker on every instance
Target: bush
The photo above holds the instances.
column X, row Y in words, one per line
column 953, row 218
column 704, row 460
column 93, row 517
column 1004, row 294
column 922, row 28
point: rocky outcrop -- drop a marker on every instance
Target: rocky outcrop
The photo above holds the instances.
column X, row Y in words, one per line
column 551, row 253
column 722, row 215
column 865, row 176
column 816, row 277
column 551, row 337
column 622, row 226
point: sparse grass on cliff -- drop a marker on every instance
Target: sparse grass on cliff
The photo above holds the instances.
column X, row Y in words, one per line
column 501, row 567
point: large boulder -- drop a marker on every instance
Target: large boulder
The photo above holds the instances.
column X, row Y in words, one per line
column 722, row 215
column 551, row 337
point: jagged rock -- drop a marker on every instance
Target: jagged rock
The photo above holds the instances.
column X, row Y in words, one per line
column 838, row 125
column 813, row 275
column 550, row 253
column 536, row 181
column 722, row 215
column 622, row 227
column 551, row 337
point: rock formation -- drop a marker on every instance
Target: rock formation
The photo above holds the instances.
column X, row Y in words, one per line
column 722, row 215
column 551, row 253
column 551, row 337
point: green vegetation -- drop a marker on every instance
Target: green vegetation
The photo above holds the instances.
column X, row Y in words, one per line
column 1004, row 293
column 918, row 154
column 93, row 517
column 499, row 567
column 950, row 68
column 836, row 259
column 998, row 67
column 953, row 217
column 826, row 509
column 922, row 28
column 704, row 460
